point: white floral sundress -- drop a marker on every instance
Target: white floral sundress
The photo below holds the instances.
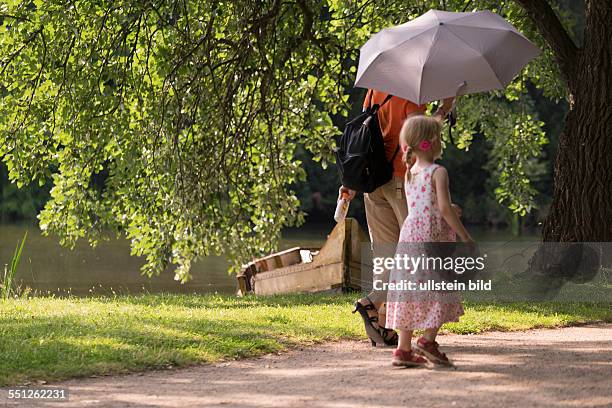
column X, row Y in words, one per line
column 410, row 310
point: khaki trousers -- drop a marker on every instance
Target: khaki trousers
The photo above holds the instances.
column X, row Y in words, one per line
column 386, row 209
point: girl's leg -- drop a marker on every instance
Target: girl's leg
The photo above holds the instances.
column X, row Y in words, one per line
column 430, row 334
column 405, row 340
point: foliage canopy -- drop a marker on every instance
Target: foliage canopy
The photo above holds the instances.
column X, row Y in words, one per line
column 176, row 122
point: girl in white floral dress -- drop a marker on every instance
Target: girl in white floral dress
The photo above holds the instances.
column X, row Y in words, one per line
column 431, row 218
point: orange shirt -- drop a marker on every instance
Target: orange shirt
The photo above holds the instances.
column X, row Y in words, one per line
column 391, row 117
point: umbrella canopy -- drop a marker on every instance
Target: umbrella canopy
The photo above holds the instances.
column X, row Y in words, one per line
column 442, row 54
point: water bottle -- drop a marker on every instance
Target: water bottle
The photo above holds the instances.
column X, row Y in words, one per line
column 342, row 207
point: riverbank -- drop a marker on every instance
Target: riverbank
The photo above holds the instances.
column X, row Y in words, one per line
column 44, row 339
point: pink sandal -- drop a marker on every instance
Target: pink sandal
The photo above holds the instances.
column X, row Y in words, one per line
column 403, row 358
column 430, row 350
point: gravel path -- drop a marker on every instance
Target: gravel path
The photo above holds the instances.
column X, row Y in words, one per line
column 570, row 367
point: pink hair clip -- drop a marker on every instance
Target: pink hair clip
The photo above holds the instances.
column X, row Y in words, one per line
column 425, row 145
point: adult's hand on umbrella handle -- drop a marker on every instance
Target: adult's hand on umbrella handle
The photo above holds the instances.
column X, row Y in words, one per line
column 460, row 87
column 453, row 99
column 447, row 106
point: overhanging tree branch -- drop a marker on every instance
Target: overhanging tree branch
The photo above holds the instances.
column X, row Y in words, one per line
column 548, row 24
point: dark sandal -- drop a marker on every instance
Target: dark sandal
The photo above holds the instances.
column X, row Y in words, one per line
column 389, row 336
column 371, row 322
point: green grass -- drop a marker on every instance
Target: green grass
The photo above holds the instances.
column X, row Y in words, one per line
column 7, row 288
column 53, row 338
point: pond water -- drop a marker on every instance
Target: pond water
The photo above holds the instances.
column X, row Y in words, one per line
column 48, row 267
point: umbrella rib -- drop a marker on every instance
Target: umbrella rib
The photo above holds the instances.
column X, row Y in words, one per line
column 483, row 57
column 403, row 42
column 397, row 45
column 433, row 40
column 508, row 29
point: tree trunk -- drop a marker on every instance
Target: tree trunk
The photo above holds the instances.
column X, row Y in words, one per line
column 581, row 209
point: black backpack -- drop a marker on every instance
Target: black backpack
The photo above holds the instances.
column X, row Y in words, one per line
column 360, row 152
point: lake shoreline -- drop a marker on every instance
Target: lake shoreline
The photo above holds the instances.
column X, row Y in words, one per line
column 48, row 269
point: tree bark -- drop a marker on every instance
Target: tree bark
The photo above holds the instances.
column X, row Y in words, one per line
column 581, row 208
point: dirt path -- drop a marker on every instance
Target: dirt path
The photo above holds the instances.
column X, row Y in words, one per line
column 569, row 367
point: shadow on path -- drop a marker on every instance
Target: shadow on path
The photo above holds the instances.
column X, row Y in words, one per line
column 569, row 367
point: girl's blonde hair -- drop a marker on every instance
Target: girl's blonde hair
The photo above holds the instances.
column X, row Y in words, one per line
column 417, row 129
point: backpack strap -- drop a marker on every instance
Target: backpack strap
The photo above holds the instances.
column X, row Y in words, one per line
column 389, row 96
column 376, row 106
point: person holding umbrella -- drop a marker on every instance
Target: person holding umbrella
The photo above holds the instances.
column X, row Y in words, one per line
column 437, row 56
column 386, row 207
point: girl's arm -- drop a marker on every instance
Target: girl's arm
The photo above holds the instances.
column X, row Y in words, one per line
column 440, row 178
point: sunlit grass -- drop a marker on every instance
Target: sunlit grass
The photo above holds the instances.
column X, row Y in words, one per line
column 7, row 288
column 52, row 338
